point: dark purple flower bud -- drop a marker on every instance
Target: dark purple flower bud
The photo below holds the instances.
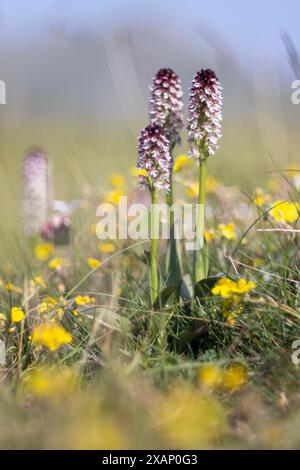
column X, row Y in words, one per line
column 154, row 158
column 166, row 104
column 37, row 190
column 205, row 114
column 57, row 229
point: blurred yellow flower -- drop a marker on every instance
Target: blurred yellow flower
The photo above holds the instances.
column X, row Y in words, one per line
column 235, row 377
column 43, row 251
column 51, row 335
column 191, row 190
column 10, row 287
column 191, row 419
column 211, row 184
column 285, row 211
column 56, row 263
column 117, row 180
column 106, row 247
column 260, row 197
column 113, row 197
column 40, row 281
column 93, row 263
column 181, row 162
column 227, row 231
column 210, row 375
column 17, row 314
column 84, row 300
column 210, row 235
column 243, row 287
column 52, row 384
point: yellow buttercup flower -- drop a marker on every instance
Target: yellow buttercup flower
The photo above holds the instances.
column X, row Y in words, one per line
column 260, row 197
column 17, row 314
column 191, row 190
column 43, row 251
column 285, row 211
column 84, row 300
column 10, row 287
column 235, row 377
column 227, row 231
column 39, row 281
column 211, row 184
column 113, row 197
column 210, row 235
column 117, row 180
column 223, row 287
column 243, row 287
column 93, row 263
column 51, row 335
column 226, row 287
column 190, row 419
column 52, row 383
column 210, row 375
column 57, row 263
column 182, row 162
column 106, row 247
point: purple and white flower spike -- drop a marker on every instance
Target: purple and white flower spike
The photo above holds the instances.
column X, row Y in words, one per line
column 205, row 114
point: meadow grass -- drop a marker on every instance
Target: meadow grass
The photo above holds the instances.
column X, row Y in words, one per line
column 223, row 376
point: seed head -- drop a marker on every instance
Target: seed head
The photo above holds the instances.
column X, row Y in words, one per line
column 205, row 114
column 166, row 104
column 154, row 157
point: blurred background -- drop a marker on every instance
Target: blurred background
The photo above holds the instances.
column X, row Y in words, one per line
column 77, row 74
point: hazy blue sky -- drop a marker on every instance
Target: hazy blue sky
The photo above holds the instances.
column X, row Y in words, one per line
column 244, row 25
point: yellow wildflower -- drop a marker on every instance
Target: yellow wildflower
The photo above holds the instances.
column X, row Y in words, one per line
column 39, row 281
column 56, row 263
column 190, row 419
column 93, row 263
column 210, row 375
column 223, row 287
column 52, row 383
column 226, row 287
column 227, row 231
column 17, row 314
column 106, row 247
column 191, row 190
column 243, row 287
column 51, row 335
column 117, row 180
column 235, row 377
column 43, row 251
column 181, row 162
column 211, row 184
column 210, row 235
column 113, row 197
column 285, row 211
column 260, row 197
column 10, row 287
column 84, row 300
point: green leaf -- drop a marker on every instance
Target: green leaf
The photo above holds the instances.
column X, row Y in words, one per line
column 167, row 295
column 173, row 260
